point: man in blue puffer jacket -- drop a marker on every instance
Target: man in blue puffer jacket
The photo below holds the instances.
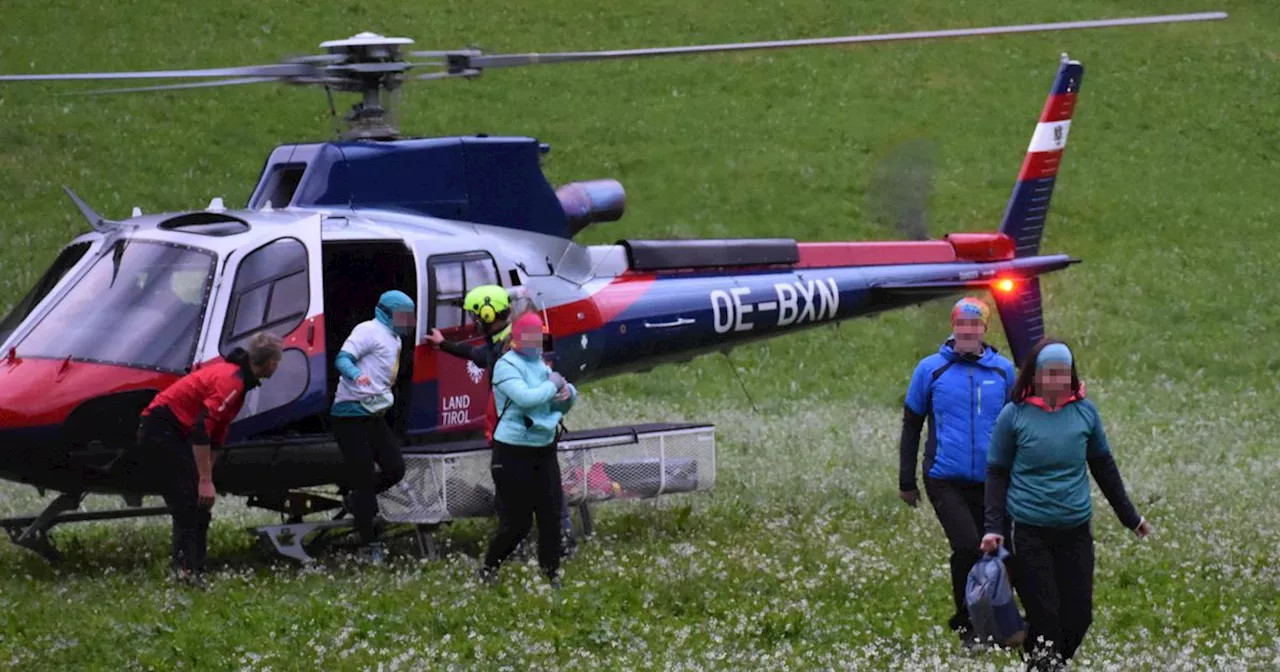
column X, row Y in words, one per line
column 960, row 389
column 530, row 399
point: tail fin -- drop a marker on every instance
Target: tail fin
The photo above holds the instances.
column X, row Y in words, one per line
column 1021, row 310
column 1029, row 204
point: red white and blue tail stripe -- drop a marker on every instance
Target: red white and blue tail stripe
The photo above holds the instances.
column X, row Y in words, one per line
column 1022, row 312
column 1029, row 205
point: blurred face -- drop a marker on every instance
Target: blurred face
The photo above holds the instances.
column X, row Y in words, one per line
column 1054, row 378
column 268, row 369
column 529, row 342
column 969, row 332
column 403, row 322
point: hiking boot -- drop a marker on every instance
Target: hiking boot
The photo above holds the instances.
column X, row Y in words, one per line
column 373, row 554
column 972, row 644
column 416, row 500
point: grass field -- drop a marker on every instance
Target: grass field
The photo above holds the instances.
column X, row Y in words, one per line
column 802, row 557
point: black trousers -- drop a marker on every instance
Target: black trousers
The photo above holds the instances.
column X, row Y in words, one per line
column 527, row 481
column 959, row 507
column 169, row 464
column 1054, row 580
column 366, row 441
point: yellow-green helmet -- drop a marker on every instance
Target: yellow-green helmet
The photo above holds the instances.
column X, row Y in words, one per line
column 486, row 302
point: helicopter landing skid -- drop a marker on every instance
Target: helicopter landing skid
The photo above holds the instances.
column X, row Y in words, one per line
column 298, row 540
column 32, row 532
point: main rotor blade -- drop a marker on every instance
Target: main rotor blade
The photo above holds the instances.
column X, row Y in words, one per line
column 511, row 60
column 166, row 87
column 277, row 70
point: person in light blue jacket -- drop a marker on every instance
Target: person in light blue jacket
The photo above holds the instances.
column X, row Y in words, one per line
column 531, row 400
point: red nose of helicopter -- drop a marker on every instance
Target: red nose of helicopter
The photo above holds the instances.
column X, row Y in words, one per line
column 61, row 421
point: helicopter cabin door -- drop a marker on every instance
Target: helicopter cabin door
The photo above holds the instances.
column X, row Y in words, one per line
column 462, row 386
column 273, row 281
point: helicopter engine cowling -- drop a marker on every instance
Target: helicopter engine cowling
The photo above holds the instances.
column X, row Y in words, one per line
column 586, row 203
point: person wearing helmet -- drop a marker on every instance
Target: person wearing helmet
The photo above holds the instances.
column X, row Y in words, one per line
column 369, row 364
column 490, row 306
column 960, row 389
column 493, row 309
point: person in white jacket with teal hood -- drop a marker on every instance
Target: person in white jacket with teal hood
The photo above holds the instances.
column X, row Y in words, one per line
column 369, row 365
column 531, row 400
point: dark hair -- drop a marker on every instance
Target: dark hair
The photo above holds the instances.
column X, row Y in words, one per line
column 1025, row 385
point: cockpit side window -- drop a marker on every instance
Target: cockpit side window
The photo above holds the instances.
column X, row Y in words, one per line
column 272, row 291
column 64, row 262
column 452, row 276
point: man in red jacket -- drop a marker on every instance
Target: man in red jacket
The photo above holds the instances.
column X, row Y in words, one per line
column 181, row 429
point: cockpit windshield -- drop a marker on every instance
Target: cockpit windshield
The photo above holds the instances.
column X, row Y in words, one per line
column 140, row 304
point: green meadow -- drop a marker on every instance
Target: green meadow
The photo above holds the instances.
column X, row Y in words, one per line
column 802, row 557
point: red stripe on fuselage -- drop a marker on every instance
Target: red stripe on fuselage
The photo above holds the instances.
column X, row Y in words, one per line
column 600, row 308
column 1058, row 107
column 830, row 255
column 1039, row 165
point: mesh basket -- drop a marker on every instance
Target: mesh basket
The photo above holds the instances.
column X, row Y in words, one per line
column 630, row 463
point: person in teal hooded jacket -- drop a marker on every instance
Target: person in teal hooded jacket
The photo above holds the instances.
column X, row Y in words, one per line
column 1046, row 442
column 531, row 399
column 369, row 364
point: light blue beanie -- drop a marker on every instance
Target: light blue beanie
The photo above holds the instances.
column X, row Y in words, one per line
column 1054, row 352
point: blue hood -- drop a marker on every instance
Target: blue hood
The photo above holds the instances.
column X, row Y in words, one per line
column 394, row 301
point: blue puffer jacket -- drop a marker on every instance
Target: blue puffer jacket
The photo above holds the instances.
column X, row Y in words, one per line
column 961, row 397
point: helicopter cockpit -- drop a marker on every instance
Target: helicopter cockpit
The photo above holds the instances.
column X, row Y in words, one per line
column 140, row 304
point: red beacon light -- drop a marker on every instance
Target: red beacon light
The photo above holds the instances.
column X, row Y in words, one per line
column 1004, row 285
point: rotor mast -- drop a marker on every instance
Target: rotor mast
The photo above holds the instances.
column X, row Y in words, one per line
column 370, row 65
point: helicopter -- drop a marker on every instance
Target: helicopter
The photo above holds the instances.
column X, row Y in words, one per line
column 131, row 305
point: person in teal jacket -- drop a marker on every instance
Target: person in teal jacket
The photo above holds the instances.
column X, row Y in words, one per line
column 1038, row 496
column 530, row 399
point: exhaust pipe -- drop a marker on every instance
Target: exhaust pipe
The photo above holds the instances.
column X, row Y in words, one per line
column 586, row 203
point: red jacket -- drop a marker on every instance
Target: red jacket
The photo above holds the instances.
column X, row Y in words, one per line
column 206, row 401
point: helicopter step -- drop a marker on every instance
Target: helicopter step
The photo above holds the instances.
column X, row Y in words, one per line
column 301, row 540
column 297, row 539
column 32, row 532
